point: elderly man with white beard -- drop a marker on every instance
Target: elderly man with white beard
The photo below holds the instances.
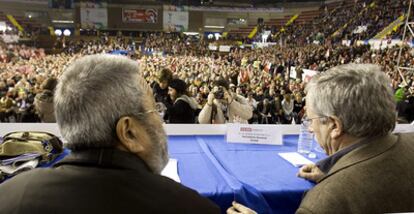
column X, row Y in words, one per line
column 106, row 112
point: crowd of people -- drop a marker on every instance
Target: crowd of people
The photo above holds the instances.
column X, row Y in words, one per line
column 349, row 20
column 262, row 77
column 28, row 77
column 269, row 81
column 106, row 112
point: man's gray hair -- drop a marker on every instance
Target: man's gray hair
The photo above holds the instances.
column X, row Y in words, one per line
column 93, row 94
column 360, row 95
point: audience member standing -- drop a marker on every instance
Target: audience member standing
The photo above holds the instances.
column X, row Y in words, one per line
column 160, row 91
column 44, row 101
column 287, row 107
column 184, row 106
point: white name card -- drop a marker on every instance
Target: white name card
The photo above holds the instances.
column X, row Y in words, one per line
column 254, row 134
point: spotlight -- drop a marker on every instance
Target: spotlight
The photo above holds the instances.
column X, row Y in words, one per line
column 67, row 32
column 58, row 32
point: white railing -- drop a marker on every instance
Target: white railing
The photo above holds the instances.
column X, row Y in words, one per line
column 171, row 129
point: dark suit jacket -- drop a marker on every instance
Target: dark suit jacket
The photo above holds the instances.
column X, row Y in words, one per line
column 377, row 177
column 99, row 181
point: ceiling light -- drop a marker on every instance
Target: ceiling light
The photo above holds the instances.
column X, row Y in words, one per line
column 63, row 21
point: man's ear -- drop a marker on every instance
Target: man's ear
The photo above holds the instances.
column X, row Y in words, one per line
column 336, row 127
column 130, row 134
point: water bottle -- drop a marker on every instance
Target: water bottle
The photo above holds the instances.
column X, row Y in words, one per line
column 305, row 141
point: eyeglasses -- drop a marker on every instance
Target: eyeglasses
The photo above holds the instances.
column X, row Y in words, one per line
column 308, row 121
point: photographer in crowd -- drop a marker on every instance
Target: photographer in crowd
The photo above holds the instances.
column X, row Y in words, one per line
column 224, row 106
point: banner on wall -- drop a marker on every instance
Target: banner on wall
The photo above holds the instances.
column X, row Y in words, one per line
column 94, row 15
column 224, row 48
column 3, row 26
column 140, row 15
column 263, row 44
column 306, row 76
column 9, row 38
column 175, row 19
column 236, row 9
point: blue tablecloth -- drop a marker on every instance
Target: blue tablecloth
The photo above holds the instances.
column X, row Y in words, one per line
column 254, row 175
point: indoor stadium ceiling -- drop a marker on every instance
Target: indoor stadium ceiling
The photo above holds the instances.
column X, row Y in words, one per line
column 211, row 2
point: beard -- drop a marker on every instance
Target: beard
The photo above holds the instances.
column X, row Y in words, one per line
column 159, row 157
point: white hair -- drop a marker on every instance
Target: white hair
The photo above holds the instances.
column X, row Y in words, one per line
column 360, row 95
column 93, row 94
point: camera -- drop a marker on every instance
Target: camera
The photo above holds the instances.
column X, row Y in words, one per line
column 219, row 94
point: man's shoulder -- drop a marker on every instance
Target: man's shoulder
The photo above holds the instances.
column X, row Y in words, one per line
column 141, row 191
column 181, row 101
column 155, row 85
column 13, row 190
column 180, row 196
column 346, row 192
column 374, row 178
column 323, row 197
column 239, row 98
column 407, row 139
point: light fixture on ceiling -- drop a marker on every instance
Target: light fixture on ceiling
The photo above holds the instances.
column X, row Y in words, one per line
column 214, row 26
column 67, row 32
column 58, row 32
column 191, row 33
column 63, row 21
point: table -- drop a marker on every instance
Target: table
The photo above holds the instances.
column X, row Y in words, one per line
column 254, row 175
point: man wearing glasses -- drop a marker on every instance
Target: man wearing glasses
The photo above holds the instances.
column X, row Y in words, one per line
column 352, row 112
column 106, row 112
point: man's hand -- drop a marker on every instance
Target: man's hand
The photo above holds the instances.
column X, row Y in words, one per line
column 228, row 96
column 310, row 172
column 210, row 98
column 238, row 208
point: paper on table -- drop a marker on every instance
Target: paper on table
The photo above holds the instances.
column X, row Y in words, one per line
column 404, row 128
column 295, row 158
column 171, row 170
column 10, row 169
